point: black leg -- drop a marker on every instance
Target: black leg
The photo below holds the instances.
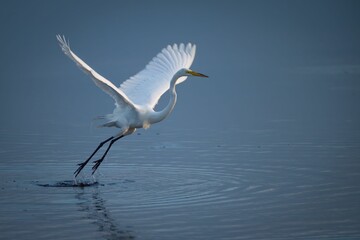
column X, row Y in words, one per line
column 83, row 164
column 98, row 162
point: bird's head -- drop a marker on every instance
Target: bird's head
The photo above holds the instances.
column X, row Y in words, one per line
column 183, row 73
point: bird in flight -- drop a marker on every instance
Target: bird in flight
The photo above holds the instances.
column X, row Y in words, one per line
column 136, row 97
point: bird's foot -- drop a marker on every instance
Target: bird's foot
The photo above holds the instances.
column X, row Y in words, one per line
column 81, row 166
column 97, row 164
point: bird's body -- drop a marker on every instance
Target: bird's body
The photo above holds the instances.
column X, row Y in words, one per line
column 136, row 98
column 141, row 116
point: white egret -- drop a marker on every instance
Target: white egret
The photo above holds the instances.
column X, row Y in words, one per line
column 136, row 97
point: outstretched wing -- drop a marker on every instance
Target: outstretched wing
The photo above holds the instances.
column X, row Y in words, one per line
column 121, row 100
column 147, row 86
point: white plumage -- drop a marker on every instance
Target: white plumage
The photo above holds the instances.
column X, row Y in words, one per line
column 147, row 86
column 137, row 96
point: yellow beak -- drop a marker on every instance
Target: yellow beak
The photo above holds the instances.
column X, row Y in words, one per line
column 196, row 74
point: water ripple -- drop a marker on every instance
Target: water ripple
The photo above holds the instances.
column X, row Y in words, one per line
column 217, row 188
column 165, row 186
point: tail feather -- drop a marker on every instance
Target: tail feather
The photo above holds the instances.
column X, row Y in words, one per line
column 109, row 118
column 108, row 124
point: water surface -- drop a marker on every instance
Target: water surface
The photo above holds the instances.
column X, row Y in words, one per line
column 270, row 183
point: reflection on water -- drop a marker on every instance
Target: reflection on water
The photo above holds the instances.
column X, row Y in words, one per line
column 261, row 184
column 95, row 210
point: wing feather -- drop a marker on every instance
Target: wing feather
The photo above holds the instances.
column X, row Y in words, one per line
column 147, row 86
column 121, row 100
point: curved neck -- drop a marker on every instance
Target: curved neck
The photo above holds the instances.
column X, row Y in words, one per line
column 161, row 115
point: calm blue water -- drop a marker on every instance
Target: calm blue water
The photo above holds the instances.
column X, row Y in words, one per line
column 271, row 183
